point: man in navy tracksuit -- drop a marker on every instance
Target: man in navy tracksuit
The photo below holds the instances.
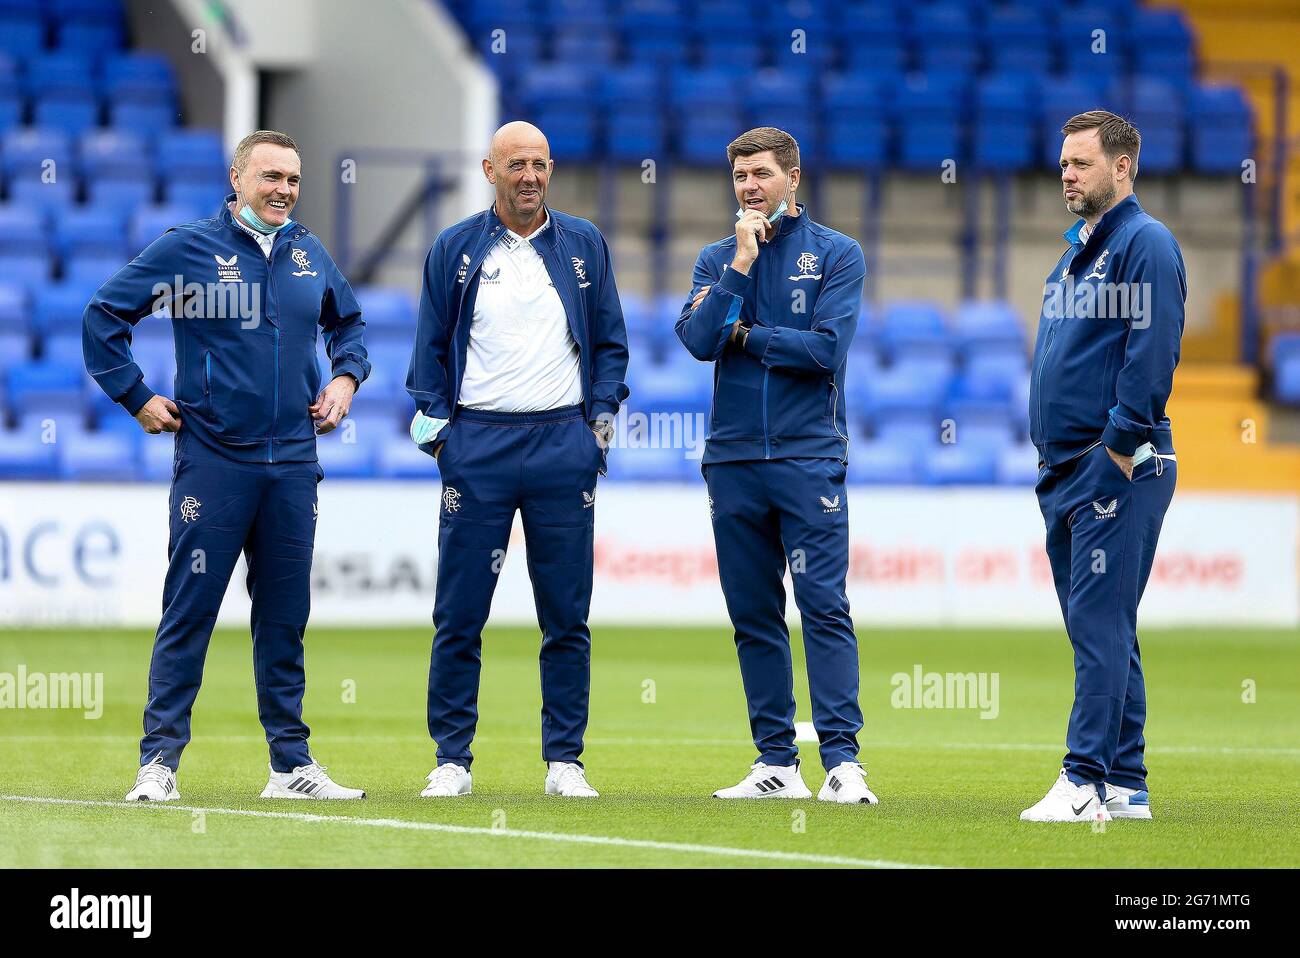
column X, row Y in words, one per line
column 517, row 374
column 248, row 291
column 774, row 308
column 1108, row 342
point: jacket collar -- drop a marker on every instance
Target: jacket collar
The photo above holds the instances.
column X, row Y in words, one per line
column 1122, row 211
column 788, row 224
column 296, row 229
column 495, row 228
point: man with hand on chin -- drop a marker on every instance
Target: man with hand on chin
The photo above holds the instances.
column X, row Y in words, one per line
column 1108, row 341
column 774, row 308
column 255, row 291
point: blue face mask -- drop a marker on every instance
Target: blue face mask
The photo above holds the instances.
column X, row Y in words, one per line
column 253, row 221
column 780, row 211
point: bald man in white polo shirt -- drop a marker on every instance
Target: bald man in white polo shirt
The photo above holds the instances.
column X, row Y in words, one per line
column 517, row 375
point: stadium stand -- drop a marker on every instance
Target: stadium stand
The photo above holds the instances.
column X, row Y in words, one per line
column 877, row 84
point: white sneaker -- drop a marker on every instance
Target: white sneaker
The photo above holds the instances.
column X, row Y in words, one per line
column 846, row 783
column 1124, row 802
column 154, row 782
column 768, row 781
column 1067, row 802
column 447, row 781
column 307, row 781
column 569, row 780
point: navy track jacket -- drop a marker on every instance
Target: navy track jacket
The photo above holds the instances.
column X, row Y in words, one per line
column 1108, row 339
column 782, row 395
column 243, row 382
column 578, row 263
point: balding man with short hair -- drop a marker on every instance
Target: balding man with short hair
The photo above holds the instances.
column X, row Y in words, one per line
column 517, row 375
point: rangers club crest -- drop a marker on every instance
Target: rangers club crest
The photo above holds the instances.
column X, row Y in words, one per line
column 304, row 265
column 451, row 499
column 190, row 509
column 806, row 264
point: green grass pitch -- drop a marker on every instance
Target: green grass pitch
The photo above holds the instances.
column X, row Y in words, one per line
column 667, row 727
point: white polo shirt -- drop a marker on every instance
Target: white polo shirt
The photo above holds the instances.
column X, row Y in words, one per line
column 522, row 357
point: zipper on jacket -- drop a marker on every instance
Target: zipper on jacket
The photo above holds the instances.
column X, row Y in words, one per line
column 767, row 439
column 275, row 400
column 1049, row 341
column 207, row 372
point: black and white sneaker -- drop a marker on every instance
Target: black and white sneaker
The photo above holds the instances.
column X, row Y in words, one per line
column 307, row 781
column 154, row 782
column 846, row 784
column 768, row 781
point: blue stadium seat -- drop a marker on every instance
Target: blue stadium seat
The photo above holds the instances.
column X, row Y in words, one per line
column 26, row 151
column 142, row 118
column 205, row 197
column 90, row 230
column 13, row 306
column 191, row 154
column 15, row 347
column 873, row 40
column 592, row 44
column 653, row 31
column 86, row 270
column 11, row 112
column 89, row 38
column 985, row 323
column 22, row 454
column 985, row 423
column 110, row 152
column 1284, row 359
column 74, row 113
column 123, row 194
column 150, row 222
column 856, row 128
column 1060, row 99
column 399, row 458
column 88, row 11
column 45, row 387
column 928, row 111
column 882, row 462
column 387, row 311
column 651, row 464
column 139, row 78
column 99, row 456
column 1017, row 465
column 51, row 199
column 1222, row 129
column 958, row 464
column 1090, row 41
column 1160, row 42
column 157, row 454
column 20, row 34
column 60, row 72
column 342, row 460
column 1005, row 123
column 943, row 35
column 60, row 307
column 62, row 349
column 31, row 270
column 914, row 427
column 22, row 230
column 1017, row 39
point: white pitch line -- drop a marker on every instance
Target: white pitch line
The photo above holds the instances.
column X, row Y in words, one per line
column 398, row 823
column 714, row 743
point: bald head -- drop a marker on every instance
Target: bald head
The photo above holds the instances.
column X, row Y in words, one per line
column 519, row 165
column 514, row 136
